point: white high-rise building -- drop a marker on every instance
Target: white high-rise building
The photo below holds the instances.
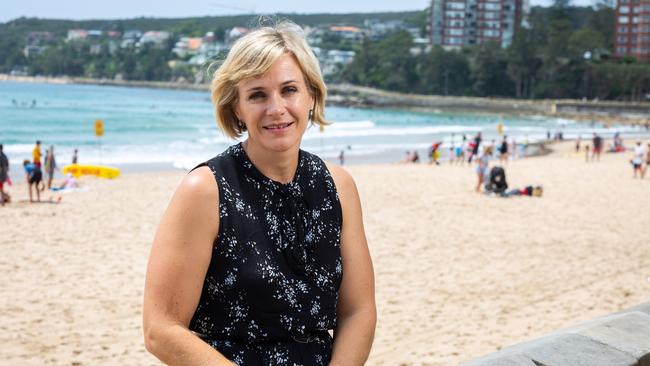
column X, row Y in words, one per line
column 457, row 23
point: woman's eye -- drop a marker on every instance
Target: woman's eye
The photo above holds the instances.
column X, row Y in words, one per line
column 255, row 96
column 290, row 89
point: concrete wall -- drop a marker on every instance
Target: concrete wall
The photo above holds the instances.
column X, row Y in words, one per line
column 621, row 339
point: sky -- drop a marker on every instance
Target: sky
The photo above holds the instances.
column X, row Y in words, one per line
column 121, row 9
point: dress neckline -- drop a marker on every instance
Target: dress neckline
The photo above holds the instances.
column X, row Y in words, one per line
column 271, row 183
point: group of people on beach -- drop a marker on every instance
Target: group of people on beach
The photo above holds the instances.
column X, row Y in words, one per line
column 34, row 170
column 597, row 143
column 640, row 153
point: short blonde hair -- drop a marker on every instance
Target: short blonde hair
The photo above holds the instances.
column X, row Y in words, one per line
column 252, row 56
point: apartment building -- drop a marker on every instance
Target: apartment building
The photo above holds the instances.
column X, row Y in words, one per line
column 633, row 29
column 456, row 23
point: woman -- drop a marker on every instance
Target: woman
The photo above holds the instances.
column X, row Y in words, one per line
column 255, row 269
column 481, row 167
column 50, row 166
column 33, row 176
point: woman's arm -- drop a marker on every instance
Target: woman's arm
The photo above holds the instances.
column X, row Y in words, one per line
column 356, row 311
column 178, row 262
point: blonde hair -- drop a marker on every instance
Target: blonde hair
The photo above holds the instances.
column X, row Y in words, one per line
column 252, row 56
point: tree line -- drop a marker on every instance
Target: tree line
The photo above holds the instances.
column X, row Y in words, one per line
column 566, row 52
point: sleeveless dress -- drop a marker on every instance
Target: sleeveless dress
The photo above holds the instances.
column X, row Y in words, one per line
column 270, row 292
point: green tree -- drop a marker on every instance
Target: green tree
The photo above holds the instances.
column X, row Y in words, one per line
column 443, row 73
column 584, row 40
column 386, row 64
column 490, row 71
column 523, row 63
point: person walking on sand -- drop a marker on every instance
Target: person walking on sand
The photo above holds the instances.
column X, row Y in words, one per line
column 637, row 159
column 475, row 147
column 647, row 161
column 598, row 147
column 50, row 166
column 33, row 176
column 36, row 156
column 75, row 157
column 460, row 150
column 481, row 167
column 503, row 150
column 513, row 148
column 4, row 174
column 283, row 259
column 578, row 144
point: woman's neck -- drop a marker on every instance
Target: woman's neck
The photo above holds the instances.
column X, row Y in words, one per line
column 279, row 166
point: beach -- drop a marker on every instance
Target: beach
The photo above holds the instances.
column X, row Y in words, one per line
column 458, row 274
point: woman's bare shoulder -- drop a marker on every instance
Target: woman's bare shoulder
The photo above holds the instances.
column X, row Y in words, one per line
column 342, row 179
column 199, row 187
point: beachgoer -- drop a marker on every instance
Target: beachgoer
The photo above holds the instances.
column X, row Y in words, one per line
column 638, row 158
column 578, row 144
column 415, row 157
column 36, row 154
column 342, row 157
column 481, row 167
column 524, row 147
column 533, row 191
column 4, row 174
column 587, row 153
column 408, row 158
column 75, row 157
column 261, row 251
column 434, row 153
column 475, row 147
column 618, row 143
column 33, row 176
column 492, row 147
column 451, row 154
column 50, row 166
column 647, row 161
column 460, row 151
column 598, row 147
column 70, row 182
column 503, row 150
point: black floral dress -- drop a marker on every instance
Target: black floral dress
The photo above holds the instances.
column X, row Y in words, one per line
column 270, row 292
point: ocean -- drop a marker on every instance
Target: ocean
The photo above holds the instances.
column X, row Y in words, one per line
column 173, row 128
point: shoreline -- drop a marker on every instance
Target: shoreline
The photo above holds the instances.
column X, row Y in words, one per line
column 534, row 149
column 347, row 95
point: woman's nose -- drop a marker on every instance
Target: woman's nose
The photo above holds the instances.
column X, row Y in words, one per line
column 277, row 106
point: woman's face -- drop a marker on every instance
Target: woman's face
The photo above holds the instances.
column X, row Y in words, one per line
column 275, row 106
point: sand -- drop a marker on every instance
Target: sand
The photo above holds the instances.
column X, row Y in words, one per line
column 459, row 274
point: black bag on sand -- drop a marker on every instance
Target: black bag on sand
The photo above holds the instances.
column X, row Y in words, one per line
column 497, row 182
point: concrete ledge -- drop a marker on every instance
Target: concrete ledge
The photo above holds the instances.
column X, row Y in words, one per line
column 621, row 339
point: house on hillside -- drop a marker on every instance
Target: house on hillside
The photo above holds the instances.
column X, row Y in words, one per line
column 156, row 38
column 347, row 32
column 234, row 34
column 130, row 38
column 77, row 35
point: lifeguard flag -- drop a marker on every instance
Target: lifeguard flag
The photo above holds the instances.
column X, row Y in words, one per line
column 99, row 128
